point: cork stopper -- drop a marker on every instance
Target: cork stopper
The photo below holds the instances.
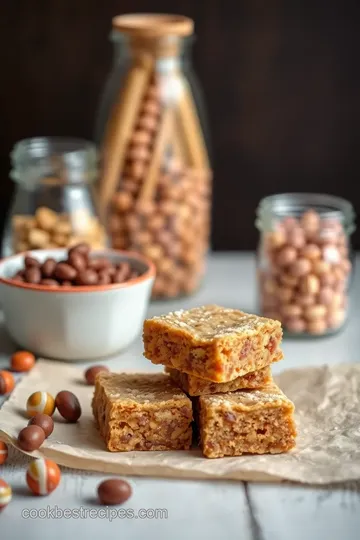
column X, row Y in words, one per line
column 153, row 25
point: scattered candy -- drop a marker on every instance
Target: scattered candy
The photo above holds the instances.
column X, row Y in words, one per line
column 31, row 438
column 43, row 476
column 40, row 402
column 90, row 374
column 44, row 421
column 22, row 361
column 114, row 491
column 5, row 494
column 68, row 406
column 3, row 452
column 7, row 382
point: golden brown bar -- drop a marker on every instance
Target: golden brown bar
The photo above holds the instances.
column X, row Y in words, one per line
column 211, row 342
column 142, row 412
column 246, row 421
column 194, row 386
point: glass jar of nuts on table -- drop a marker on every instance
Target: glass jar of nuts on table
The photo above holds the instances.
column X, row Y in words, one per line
column 156, row 184
column 53, row 204
column 305, row 261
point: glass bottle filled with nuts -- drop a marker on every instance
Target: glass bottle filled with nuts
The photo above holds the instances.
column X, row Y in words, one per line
column 305, row 261
column 155, row 189
column 53, row 204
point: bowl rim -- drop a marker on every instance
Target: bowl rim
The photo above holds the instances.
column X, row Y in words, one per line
column 148, row 274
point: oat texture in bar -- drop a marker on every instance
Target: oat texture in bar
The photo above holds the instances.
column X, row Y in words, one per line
column 142, row 412
column 194, row 386
column 211, row 342
column 246, row 421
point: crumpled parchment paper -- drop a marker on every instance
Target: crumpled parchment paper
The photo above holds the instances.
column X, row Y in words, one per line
column 327, row 401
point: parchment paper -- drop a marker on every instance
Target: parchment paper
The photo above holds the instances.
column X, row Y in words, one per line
column 327, row 401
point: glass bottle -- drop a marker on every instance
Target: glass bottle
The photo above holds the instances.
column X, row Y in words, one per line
column 305, row 261
column 155, row 189
column 53, row 204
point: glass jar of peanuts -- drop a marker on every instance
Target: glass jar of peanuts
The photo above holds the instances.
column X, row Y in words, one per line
column 53, row 204
column 305, row 261
column 155, row 189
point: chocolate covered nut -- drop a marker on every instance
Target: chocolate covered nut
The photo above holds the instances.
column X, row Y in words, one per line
column 114, row 491
column 65, row 271
column 99, row 263
column 32, row 275
column 104, row 278
column 66, row 283
column 87, row 277
column 22, row 361
column 83, row 248
column 122, row 273
column 19, row 276
column 31, row 261
column 31, row 438
column 77, row 261
column 48, row 267
column 68, row 406
column 44, row 421
column 90, row 374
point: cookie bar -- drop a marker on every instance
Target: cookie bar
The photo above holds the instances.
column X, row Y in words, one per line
column 194, row 386
column 212, row 342
column 246, row 421
column 141, row 412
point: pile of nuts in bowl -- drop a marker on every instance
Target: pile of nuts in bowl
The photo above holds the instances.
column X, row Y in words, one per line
column 304, row 273
column 78, row 269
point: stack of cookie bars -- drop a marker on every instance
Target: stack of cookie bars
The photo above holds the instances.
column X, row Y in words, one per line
column 218, row 365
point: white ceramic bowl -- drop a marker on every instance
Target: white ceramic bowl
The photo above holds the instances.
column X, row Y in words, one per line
column 75, row 323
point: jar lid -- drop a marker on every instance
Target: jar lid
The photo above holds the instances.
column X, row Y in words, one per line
column 153, row 25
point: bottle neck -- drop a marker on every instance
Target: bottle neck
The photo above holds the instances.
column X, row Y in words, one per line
column 168, row 52
column 53, row 161
column 274, row 208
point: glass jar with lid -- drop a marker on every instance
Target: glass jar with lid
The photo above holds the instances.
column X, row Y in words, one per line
column 305, row 261
column 155, row 189
column 54, row 202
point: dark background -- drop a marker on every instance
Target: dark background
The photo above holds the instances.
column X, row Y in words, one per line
column 282, row 82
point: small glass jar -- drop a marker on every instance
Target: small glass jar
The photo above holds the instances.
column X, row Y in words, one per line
column 53, row 205
column 305, row 261
column 155, row 190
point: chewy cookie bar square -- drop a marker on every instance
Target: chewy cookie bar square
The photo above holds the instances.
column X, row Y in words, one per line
column 246, row 421
column 211, row 342
column 142, row 412
column 194, row 386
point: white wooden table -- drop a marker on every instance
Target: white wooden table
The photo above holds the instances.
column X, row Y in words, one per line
column 198, row 509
